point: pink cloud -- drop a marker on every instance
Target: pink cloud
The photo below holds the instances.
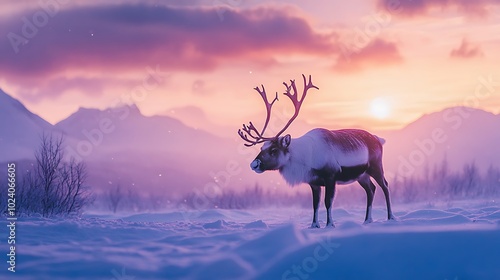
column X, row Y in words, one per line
column 466, row 50
column 378, row 53
column 121, row 37
column 412, row 8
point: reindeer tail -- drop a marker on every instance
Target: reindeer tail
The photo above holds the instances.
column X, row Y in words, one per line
column 381, row 140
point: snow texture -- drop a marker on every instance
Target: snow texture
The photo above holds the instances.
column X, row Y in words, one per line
column 459, row 241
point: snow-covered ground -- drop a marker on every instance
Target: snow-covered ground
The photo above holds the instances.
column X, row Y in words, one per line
column 449, row 241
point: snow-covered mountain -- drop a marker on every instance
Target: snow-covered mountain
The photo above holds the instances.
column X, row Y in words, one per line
column 20, row 129
column 126, row 128
column 461, row 135
column 122, row 146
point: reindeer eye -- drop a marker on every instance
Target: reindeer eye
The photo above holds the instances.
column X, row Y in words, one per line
column 273, row 152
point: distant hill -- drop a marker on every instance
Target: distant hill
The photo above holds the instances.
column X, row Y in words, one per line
column 125, row 128
column 459, row 134
column 20, row 129
column 122, row 146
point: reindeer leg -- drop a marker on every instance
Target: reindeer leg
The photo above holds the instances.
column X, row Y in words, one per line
column 378, row 175
column 369, row 187
column 385, row 188
column 329, row 195
column 316, row 192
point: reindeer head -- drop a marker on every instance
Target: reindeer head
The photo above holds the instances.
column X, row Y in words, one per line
column 274, row 153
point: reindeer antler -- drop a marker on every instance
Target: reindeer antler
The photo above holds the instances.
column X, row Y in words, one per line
column 250, row 130
column 295, row 98
column 250, row 134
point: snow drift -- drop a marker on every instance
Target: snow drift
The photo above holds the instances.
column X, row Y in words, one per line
column 446, row 242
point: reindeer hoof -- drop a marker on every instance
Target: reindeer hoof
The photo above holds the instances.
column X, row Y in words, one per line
column 331, row 225
column 392, row 218
column 368, row 221
column 315, row 225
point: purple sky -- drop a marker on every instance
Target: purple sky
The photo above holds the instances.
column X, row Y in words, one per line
column 378, row 63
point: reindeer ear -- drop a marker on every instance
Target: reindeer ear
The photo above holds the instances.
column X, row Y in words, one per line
column 285, row 141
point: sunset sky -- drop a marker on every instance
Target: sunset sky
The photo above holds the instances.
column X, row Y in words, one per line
column 379, row 64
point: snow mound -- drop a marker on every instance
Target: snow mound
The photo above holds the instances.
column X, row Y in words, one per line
column 428, row 213
column 155, row 217
column 256, row 224
column 219, row 224
column 260, row 251
column 349, row 225
column 212, row 214
column 401, row 255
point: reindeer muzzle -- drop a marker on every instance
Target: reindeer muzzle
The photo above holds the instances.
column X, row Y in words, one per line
column 255, row 165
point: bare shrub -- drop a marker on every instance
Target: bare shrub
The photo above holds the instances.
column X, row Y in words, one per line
column 52, row 186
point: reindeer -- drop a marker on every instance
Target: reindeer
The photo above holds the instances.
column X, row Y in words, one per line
column 321, row 157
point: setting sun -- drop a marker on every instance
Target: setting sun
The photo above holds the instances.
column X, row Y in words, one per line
column 380, row 108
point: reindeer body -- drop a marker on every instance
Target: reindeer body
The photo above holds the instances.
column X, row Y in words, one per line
column 324, row 157
column 322, row 152
column 321, row 157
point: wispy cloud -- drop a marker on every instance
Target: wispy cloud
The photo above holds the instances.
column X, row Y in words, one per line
column 34, row 91
column 411, row 8
column 466, row 50
column 378, row 53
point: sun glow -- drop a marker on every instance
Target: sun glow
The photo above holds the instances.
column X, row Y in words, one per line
column 380, row 108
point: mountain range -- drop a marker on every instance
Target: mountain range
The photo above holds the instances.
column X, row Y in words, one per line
column 162, row 154
column 458, row 135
